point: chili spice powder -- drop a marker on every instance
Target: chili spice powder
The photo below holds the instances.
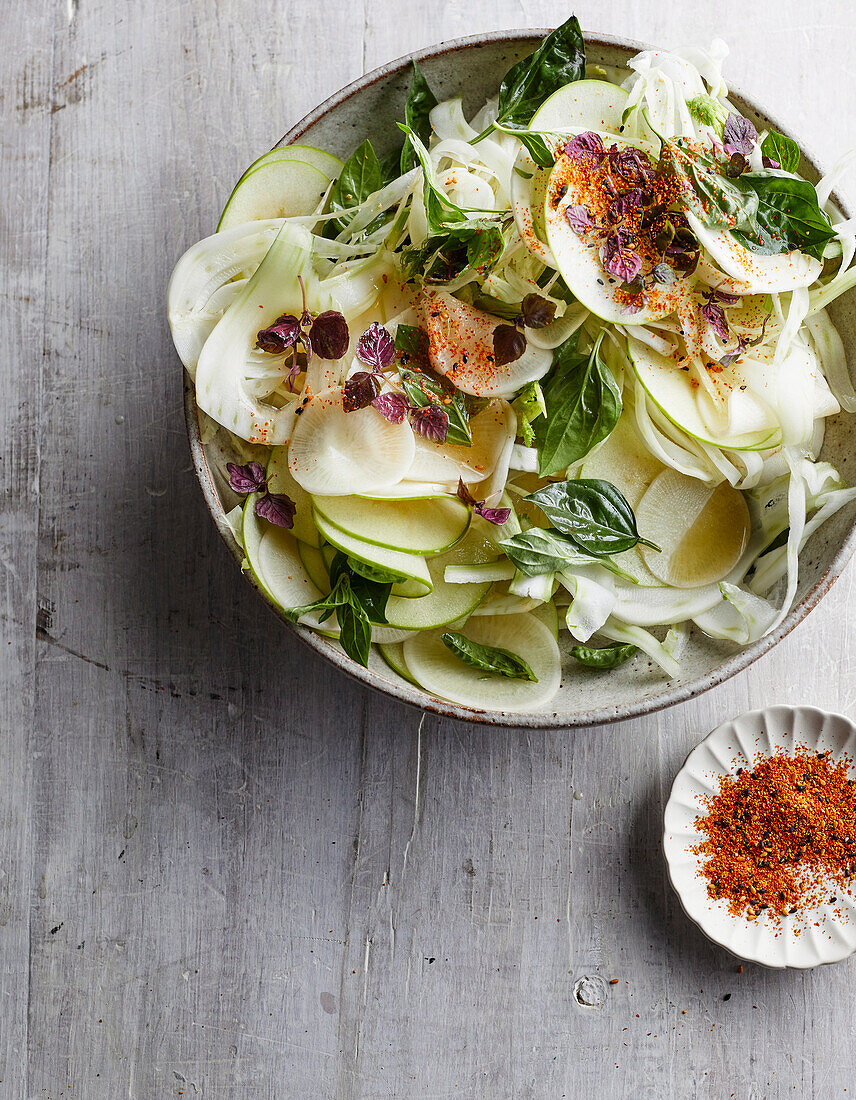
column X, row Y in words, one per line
column 780, row 838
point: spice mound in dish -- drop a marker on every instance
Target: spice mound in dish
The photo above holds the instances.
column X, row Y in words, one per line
column 781, row 838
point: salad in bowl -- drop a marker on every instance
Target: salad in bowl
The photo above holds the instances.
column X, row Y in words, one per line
column 535, row 392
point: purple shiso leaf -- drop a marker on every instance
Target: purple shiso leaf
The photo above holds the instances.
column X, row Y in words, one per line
column 329, row 336
column 714, row 316
column 768, row 162
column 393, row 406
column 282, row 334
column 509, row 344
column 736, row 166
column 246, row 479
column 739, row 135
column 618, row 260
column 276, row 508
column 725, row 298
column 431, row 422
column 629, row 163
column 586, row 146
column 537, row 311
column 292, row 374
column 624, row 204
column 376, row 348
column 579, row 218
column 360, row 390
column 497, row 516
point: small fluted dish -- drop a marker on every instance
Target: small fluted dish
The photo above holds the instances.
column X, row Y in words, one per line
column 808, row 938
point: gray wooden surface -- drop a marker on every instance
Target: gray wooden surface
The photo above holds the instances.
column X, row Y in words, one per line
column 226, row 870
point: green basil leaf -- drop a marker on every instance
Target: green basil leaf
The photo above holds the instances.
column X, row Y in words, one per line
column 426, row 388
column 583, row 404
column 789, row 217
column 560, row 59
column 355, row 632
column 411, row 344
column 610, row 656
column 359, row 178
column 716, row 200
column 444, row 256
column 593, row 512
column 390, row 167
column 420, row 101
column 535, row 144
column 369, row 595
column 488, row 658
column 542, row 550
column 781, row 149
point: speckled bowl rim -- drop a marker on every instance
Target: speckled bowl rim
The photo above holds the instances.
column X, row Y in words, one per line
column 402, row 690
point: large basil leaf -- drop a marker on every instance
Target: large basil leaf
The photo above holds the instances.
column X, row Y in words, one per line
column 354, row 624
column 716, row 200
column 361, row 175
column 488, row 658
column 560, row 59
column 593, row 512
column 781, row 149
column 371, row 595
column 541, row 550
column 789, row 217
column 583, row 404
column 610, row 656
column 420, row 102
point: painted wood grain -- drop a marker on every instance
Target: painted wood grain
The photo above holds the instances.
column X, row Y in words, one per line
column 225, row 869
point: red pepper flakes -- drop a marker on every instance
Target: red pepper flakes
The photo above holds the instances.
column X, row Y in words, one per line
column 781, row 838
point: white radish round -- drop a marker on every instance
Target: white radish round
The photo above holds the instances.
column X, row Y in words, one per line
column 461, row 348
column 333, row 452
column 438, row 670
column 447, row 462
column 701, row 529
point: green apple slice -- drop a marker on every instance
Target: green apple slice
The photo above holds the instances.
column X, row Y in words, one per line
column 315, row 566
column 412, row 526
column 393, row 654
column 439, row 671
column 582, row 105
column 325, row 162
column 410, row 567
column 752, row 425
column 272, row 554
column 278, row 188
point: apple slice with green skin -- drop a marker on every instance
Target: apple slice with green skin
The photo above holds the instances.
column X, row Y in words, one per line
column 325, row 162
column 273, row 557
column 439, row 671
column 752, row 425
column 393, row 654
column 411, row 490
column 412, row 526
column 754, row 273
column 447, row 603
column 278, row 188
column 280, row 480
column 315, row 566
column 410, row 567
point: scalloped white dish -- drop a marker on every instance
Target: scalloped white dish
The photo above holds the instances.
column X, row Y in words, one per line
column 821, row 935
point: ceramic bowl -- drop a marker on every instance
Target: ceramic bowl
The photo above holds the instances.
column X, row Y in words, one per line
column 821, row 935
column 473, row 67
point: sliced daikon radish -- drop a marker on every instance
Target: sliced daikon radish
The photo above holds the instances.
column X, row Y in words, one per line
column 757, row 274
column 447, row 602
column 274, row 561
column 280, row 480
column 233, row 376
column 412, row 526
column 208, row 278
column 701, row 529
column 624, row 461
column 438, row 670
column 333, row 452
column 407, row 566
column 490, row 430
column 752, row 425
column 279, row 188
column 393, row 654
column 548, row 615
column 461, row 348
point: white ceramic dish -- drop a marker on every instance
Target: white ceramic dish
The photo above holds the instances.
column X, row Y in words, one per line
column 802, row 941
column 473, row 67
